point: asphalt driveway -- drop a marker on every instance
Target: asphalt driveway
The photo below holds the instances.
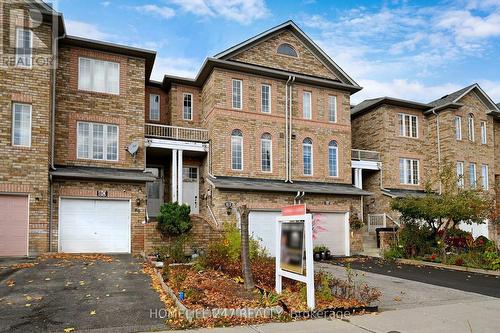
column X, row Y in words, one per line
column 86, row 295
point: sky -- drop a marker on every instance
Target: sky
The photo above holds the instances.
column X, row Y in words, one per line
column 417, row 50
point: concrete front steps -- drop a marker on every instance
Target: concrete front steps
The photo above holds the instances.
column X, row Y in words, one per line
column 370, row 248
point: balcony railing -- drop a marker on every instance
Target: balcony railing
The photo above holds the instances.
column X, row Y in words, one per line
column 176, row 133
column 365, row 155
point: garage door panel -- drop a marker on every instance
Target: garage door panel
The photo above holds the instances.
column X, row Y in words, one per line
column 14, row 225
column 94, row 226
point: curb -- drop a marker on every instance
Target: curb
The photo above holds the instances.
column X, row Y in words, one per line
column 452, row 267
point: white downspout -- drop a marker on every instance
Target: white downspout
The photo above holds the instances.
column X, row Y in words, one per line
column 287, row 168
column 439, row 148
column 290, row 133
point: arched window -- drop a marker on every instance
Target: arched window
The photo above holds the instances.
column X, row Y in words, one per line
column 470, row 125
column 333, row 159
column 287, row 49
column 307, row 156
column 266, row 152
column 237, row 150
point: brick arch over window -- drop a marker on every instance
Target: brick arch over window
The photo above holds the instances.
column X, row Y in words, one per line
column 333, row 159
column 237, row 150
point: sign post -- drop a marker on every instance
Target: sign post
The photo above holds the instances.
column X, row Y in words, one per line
column 293, row 236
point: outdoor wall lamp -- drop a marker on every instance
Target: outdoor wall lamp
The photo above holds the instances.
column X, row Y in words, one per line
column 229, row 207
column 138, row 201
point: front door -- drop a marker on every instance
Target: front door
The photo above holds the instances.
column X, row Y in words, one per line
column 191, row 188
column 155, row 192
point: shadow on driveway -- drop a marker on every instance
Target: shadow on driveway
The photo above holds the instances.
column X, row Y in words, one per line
column 85, row 295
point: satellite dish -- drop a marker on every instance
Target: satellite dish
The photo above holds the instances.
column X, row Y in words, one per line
column 133, row 148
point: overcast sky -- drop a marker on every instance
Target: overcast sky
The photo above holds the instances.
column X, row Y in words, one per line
column 417, row 50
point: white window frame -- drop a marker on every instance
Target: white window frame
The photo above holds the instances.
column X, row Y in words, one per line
column 14, row 121
column 484, row 133
column 104, row 142
column 460, row 174
column 308, row 105
column 270, row 142
column 485, row 177
column 408, row 162
column 336, row 170
column 473, row 175
column 92, row 88
column 334, row 104
column 151, row 103
column 458, row 127
column 183, row 106
column 240, row 101
column 18, row 56
column 268, row 86
column 240, row 139
column 412, row 133
column 312, row 158
column 470, row 128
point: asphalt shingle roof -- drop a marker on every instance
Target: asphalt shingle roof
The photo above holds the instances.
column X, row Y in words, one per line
column 102, row 173
column 450, row 98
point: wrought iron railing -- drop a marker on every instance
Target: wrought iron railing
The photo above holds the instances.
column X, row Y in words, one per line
column 176, row 133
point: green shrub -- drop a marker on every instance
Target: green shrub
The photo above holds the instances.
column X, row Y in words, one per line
column 394, row 252
column 416, row 240
column 173, row 252
column 174, row 219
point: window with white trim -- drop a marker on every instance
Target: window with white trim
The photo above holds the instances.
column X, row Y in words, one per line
column 24, row 47
column 237, row 150
column 21, row 125
column 154, row 107
column 97, row 141
column 484, row 133
column 485, row 177
column 333, row 159
column 408, row 171
column 266, row 98
column 408, row 125
column 187, row 106
column 460, row 174
column 307, row 156
column 266, row 145
column 332, row 109
column 470, row 127
column 99, row 76
column 306, row 105
column 458, row 128
column 472, row 175
column 237, row 97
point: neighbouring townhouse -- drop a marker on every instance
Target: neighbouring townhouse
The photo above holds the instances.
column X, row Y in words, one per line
column 92, row 147
column 413, row 140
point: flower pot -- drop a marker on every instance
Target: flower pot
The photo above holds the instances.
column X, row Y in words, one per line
column 322, row 254
column 317, row 256
column 327, row 255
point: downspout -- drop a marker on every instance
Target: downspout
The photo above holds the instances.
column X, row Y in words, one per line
column 287, row 169
column 439, row 149
column 290, row 132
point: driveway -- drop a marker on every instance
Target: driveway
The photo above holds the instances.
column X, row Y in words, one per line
column 110, row 295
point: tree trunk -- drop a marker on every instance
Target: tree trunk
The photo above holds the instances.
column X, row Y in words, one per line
column 246, row 268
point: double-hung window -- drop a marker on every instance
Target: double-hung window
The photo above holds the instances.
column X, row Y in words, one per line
column 99, row 76
column 24, row 47
column 472, row 175
column 187, row 109
column 266, row 152
column 266, row 98
column 460, row 174
column 237, row 150
column 97, row 141
column 21, row 125
column 237, row 100
column 484, row 133
column 332, row 109
column 307, row 156
column 408, row 171
column 458, row 128
column 485, row 177
column 470, row 127
column 333, row 159
column 306, row 105
column 154, row 107
column 408, row 125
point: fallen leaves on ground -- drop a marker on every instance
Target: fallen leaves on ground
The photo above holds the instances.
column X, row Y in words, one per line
column 72, row 257
column 69, row 329
column 11, row 283
column 92, row 313
column 21, row 266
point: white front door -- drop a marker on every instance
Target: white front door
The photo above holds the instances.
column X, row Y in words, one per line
column 155, row 192
column 94, row 226
column 191, row 188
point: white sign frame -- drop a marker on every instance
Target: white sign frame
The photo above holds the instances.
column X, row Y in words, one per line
column 308, row 278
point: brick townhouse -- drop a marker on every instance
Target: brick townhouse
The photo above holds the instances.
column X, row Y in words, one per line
column 413, row 139
column 93, row 147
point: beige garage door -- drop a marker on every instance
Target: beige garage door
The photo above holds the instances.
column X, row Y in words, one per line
column 13, row 225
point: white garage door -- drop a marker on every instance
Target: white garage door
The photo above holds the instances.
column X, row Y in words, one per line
column 331, row 230
column 94, row 226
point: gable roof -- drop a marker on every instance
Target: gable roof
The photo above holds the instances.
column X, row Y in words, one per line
column 48, row 14
column 370, row 104
column 308, row 42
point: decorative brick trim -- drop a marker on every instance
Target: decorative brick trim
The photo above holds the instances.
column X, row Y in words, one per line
column 15, row 188
column 77, row 192
column 22, row 98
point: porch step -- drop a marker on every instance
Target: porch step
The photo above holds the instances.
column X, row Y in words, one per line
column 370, row 245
